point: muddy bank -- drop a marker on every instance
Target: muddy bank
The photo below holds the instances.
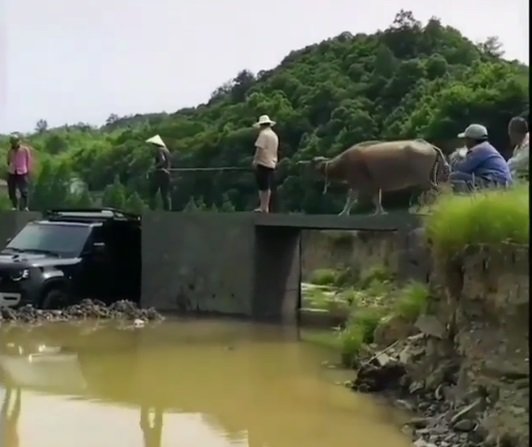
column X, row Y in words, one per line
column 85, row 310
column 465, row 370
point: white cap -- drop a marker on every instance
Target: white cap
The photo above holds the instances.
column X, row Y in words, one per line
column 264, row 119
column 475, row 132
column 157, row 140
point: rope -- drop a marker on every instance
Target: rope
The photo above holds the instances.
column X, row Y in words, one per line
column 221, row 168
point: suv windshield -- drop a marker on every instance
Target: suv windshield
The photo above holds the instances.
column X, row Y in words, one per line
column 61, row 240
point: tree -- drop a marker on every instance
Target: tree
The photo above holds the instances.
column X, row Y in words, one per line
column 114, row 195
column 190, row 206
column 111, row 119
column 226, row 206
column 41, row 126
column 55, row 144
column 135, row 204
column 492, row 47
column 407, row 81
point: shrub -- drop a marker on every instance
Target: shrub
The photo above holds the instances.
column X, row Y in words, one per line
column 412, row 301
column 347, row 276
column 489, row 217
column 374, row 274
column 367, row 320
column 351, row 342
column 324, row 277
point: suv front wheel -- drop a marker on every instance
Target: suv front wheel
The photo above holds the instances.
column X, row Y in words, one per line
column 55, row 298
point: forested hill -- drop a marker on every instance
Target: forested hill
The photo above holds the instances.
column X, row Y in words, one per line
column 406, row 81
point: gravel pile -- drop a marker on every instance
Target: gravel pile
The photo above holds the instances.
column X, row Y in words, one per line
column 85, row 310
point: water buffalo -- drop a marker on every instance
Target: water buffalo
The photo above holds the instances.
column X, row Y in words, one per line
column 372, row 167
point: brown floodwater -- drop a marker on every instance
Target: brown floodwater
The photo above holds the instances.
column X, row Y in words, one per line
column 180, row 384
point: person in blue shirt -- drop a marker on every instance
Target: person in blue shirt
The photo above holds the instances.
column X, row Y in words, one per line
column 483, row 165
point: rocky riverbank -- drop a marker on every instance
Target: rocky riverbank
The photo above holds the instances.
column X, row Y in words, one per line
column 85, row 310
column 463, row 366
column 439, row 422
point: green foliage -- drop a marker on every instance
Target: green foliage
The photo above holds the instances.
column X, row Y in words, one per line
column 114, row 195
column 367, row 319
column 407, row 81
column 324, row 277
column 134, row 204
column 373, row 276
column 351, row 344
column 492, row 217
column 412, row 301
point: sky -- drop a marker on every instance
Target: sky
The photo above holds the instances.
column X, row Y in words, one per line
column 70, row 61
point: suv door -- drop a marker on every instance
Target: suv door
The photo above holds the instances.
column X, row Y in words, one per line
column 96, row 276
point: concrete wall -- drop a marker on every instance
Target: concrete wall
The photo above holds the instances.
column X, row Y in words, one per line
column 277, row 273
column 234, row 263
column 404, row 253
column 194, row 263
column 357, row 250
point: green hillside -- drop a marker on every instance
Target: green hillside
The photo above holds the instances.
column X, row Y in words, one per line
column 406, row 81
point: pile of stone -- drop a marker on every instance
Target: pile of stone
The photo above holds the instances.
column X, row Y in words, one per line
column 442, row 420
column 85, row 310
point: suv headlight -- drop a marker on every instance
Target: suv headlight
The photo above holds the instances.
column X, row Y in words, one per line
column 20, row 275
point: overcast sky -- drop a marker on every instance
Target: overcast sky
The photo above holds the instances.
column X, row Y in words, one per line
column 73, row 60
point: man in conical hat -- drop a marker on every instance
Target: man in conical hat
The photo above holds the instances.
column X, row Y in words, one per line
column 160, row 177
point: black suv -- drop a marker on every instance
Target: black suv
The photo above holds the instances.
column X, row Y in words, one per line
column 69, row 255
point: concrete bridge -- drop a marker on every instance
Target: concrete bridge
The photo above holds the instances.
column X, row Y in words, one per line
column 242, row 264
column 245, row 264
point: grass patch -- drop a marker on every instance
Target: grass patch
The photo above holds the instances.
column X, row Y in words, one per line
column 324, row 277
column 316, row 299
column 374, row 275
column 346, row 277
column 367, row 320
column 351, row 341
column 412, row 301
column 489, row 217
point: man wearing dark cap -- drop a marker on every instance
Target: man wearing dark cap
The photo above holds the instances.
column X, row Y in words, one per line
column 483, row 165
column 518, row 134
column 18, row 170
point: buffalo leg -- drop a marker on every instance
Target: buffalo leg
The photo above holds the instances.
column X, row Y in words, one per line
column 377, row 201
column 349, row 202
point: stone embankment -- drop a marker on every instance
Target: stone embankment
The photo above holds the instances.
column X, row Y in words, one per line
column 85, row 310
column 465, row 371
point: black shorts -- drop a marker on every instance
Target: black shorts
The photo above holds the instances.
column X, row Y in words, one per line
column 264, row 177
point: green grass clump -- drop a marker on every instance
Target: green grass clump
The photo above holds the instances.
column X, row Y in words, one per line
column 351, row 340
column 324, row 277
column 316, row 299
column 412, row 301
column 373, row 275
column 488, row 217
column 346, row 277
column 367, row 320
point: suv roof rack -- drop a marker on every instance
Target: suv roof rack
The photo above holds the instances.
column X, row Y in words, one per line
column 89, row 214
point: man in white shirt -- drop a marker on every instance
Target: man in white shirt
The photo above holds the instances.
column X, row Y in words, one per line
column 518, row 134
column 265, row 160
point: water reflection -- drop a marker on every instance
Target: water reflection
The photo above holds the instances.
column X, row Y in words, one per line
column 194, row 383
column 151, row 423
column 9, row 417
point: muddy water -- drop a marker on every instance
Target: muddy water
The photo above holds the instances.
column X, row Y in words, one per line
column 186, row 384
